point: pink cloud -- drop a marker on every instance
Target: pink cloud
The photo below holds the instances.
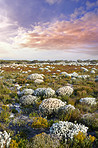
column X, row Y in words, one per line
column 75, row 34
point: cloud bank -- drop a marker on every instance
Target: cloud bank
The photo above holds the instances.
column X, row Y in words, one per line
column 81, row 33
column 71, row 35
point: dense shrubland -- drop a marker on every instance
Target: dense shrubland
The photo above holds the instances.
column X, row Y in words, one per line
column 32, row 110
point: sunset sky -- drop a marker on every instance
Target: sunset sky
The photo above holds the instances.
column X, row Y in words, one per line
column 49, row 29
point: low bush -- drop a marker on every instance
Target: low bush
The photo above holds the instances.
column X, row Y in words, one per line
column 44, row 141
column 39, row 122
column 82, row 141
column 72, row 115
column 4, row 116
column 20, row 144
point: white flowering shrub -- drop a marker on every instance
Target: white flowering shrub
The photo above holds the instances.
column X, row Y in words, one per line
column 42, row 69
column 53, row 76
column 67, row 130
column 26, row 92
column 84, row 69
column 67, row 75
column 74, row 74
column 92, row 72
column 94, row 69
column 89, row 101
column 83, row 76
column 63, row 91
column 28, row 100
column 68, row 108
column 51, row 105
column 63, row 73
column 58, row 70
column 73, row 78
column 47, row 92
column 38, row 81
column 35, row 76
column 39, row 92
column 4, row 139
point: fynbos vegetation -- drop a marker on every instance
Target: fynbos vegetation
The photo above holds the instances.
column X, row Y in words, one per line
column 48, row 104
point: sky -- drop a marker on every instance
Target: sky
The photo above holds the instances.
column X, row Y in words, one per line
column 48, row 29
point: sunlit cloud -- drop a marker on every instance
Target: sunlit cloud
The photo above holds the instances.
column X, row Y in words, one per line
column 62, row 35
column 78, row 12
column 7, row 27
column 80, row 33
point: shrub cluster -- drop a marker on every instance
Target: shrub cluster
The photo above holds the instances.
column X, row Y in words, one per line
column 51, row 106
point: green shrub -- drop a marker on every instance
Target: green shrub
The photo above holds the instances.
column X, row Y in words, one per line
column 21, row 144
column 44, row 141
column 50, row 122
column 82, row 141
column 4, row 116
column 91, row 120
column 73, row 115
